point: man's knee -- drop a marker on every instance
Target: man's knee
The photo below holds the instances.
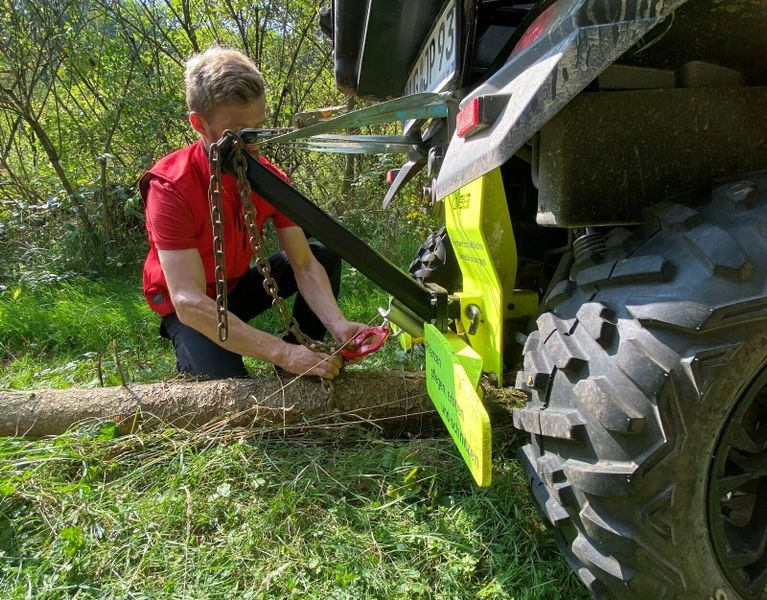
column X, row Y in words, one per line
column 199, row 356
column 210, row 364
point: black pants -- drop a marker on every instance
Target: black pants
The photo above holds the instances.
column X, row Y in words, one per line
column 198, row 355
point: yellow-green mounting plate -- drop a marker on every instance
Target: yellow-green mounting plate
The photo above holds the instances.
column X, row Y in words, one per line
column 478, row 223
column 452, row 378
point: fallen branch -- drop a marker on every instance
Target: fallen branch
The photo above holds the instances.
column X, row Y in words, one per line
column 392, row 400
column 395, row 402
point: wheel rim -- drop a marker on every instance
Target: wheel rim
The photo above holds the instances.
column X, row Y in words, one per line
column 737, row 496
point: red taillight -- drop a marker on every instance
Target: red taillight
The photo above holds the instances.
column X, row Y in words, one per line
column 479, row 113
column 468, row 120
column 537, row 27
column 391, row 175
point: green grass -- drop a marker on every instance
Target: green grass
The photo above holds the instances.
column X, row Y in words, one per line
column 56, row 336
column 76, row 331
column 173, row 514
column 349, row 516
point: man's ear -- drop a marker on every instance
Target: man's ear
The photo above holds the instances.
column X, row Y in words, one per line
column 198, row 122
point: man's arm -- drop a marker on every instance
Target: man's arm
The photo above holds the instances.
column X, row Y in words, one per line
column 314, row 285
column 185, row 276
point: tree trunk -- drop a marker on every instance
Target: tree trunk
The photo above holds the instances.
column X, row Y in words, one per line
column 53, row 158
column 390, row 400
column 395, row 402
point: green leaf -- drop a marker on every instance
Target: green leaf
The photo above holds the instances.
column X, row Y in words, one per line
column 16, row 293
column 73, row 539
column 411, row 475
column 7, row 488
column 107, row 431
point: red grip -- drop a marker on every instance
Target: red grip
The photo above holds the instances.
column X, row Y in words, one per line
column 378, row 335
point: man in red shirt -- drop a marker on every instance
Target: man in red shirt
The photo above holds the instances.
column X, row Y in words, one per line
column 225, row 90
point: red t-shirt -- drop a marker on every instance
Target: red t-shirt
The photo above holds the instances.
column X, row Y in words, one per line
column 175, row 194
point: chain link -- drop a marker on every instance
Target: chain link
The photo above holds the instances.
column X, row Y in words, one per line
column 261, row 262
column 216, row 219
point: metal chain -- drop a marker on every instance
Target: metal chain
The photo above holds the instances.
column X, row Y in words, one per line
column 216, row 219
column 261, row 262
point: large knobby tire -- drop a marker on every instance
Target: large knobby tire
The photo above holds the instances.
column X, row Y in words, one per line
column 435, row 262
column 647, row 405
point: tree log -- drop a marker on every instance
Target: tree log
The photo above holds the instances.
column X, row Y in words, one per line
column 395, row 402
column 391, row 400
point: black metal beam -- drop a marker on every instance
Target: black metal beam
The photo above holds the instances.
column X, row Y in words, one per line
column 376, row 267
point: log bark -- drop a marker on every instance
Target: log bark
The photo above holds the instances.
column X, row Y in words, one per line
column 390, row 400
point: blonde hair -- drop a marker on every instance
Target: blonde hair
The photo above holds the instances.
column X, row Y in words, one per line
column 221, row 76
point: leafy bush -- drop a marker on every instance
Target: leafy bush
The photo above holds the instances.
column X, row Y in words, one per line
column 92, row 95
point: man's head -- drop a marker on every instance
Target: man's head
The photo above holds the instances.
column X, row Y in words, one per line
column 224, row 90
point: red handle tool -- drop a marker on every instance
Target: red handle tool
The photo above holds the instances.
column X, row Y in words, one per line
column 377, row 336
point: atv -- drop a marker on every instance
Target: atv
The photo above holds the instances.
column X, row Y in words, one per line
column 597, row 165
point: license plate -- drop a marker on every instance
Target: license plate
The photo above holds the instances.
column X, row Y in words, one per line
column 437, row 61
column 452, row 376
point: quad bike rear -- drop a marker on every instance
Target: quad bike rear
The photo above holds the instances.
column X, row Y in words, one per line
column 599, row 167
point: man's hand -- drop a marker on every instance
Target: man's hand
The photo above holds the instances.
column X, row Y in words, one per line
column 343, row 331
column 302, row 361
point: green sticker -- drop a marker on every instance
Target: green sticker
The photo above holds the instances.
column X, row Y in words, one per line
column 452, row 373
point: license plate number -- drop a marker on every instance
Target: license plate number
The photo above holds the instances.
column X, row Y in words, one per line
column 437, row 61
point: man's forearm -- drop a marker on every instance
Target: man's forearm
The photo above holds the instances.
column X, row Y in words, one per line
column 314, row 286
column 200, row 314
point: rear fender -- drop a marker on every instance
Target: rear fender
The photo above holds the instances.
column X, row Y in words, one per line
column 585, row 37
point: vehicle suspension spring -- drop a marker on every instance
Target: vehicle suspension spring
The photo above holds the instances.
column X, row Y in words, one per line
column 588, row 243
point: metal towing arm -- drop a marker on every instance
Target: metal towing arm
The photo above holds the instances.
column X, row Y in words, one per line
column 453, row 367
column 412, row 305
